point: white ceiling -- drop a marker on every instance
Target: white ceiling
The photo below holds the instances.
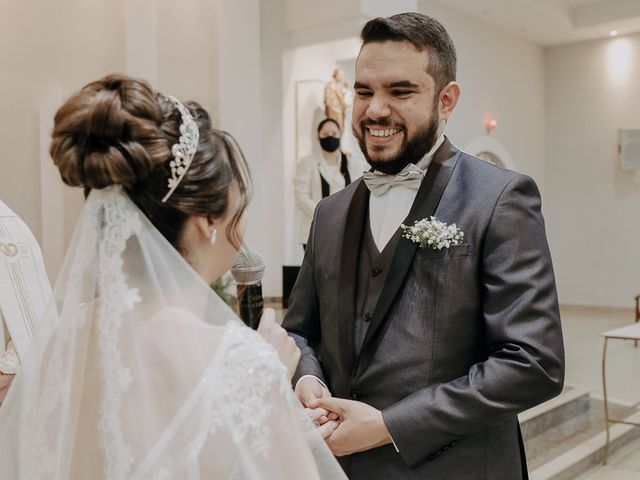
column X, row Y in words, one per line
column 554, row 22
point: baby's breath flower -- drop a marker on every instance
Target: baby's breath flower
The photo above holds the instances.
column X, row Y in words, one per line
column 433, row 233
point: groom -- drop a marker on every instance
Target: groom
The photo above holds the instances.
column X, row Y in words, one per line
column 429, row 353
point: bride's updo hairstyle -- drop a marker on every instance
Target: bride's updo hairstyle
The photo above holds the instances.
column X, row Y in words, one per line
column 119, row 131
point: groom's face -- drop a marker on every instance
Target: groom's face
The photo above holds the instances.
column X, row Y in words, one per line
column 395, row 110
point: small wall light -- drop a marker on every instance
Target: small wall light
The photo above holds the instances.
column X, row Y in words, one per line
column 490, row 124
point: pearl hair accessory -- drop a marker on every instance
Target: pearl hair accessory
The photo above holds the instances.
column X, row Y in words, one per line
column 184, row 150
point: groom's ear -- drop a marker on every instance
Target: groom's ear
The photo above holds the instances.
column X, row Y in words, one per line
column 447, row 100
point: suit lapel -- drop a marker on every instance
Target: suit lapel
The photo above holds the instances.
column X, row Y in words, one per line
column 425, row 204
column 346, row 293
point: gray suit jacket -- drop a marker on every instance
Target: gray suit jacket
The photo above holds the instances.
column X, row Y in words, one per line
column 461, row 340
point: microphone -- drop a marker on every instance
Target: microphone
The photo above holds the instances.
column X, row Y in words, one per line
column 248, row 270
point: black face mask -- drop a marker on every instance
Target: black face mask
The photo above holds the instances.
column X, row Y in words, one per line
column 330, row 144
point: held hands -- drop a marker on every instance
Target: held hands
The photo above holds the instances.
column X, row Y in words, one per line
column 310, row 391
column 361, row 427
column 277, row 336
column 309, row 388
column 347, row 426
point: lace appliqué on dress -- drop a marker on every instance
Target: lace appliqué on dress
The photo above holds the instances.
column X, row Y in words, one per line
column 107, row 225
column 230, row 399
column 250, row 369
column 116, row 298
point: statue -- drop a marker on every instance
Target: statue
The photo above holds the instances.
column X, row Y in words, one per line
column 337, row 97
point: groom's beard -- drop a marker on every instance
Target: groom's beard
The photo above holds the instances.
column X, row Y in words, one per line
column 411, row 151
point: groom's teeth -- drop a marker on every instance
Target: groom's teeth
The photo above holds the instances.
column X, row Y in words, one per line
column 384, row 133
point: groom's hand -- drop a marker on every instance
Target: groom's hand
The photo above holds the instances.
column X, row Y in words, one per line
column 361, row 427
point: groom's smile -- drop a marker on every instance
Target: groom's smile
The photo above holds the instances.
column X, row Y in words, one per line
column 381, row 136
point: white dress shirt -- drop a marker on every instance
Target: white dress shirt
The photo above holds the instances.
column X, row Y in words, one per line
column 389, row 210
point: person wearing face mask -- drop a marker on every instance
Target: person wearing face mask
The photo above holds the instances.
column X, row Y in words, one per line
column 322, row 174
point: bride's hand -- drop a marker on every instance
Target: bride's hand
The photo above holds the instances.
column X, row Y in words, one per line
column 277, row 336
column 5, row 383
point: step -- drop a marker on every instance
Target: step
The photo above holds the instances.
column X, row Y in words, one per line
column 566, row 435
column 568, row 406
column 589, row 452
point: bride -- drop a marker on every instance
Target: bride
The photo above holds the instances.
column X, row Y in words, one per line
column 140, row 371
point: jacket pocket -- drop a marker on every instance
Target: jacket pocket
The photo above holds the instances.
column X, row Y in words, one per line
column 452, row 251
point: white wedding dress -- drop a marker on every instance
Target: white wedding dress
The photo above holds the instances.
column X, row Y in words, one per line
column 140, row 371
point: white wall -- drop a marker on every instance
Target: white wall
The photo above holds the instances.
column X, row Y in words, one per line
column 593, row 208
column 174, row 46
column 501, row 76
column 48, row 49
column 208, row 51
column 187, row 51
column 270, row 223
column 252, row 35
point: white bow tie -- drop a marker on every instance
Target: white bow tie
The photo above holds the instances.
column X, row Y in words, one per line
column 378, row 183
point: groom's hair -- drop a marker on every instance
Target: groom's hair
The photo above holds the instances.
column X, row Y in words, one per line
column 424, row 33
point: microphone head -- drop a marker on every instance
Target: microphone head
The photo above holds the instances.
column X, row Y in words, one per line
column 248, row 268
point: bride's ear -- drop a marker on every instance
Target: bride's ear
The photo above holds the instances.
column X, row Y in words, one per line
column 203, row 225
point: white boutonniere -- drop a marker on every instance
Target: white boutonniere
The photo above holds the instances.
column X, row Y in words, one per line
column 432, row 233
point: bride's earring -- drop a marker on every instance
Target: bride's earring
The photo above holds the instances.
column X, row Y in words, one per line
column 214, row 236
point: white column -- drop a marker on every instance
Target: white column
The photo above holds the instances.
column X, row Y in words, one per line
column 240, row 87
column 52, row 208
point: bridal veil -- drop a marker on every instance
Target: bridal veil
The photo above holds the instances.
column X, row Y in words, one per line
column 140, row 371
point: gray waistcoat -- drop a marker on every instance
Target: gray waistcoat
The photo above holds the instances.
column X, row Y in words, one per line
column 373, row 268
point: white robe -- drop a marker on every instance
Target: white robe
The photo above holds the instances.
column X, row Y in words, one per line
column 24, row 288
